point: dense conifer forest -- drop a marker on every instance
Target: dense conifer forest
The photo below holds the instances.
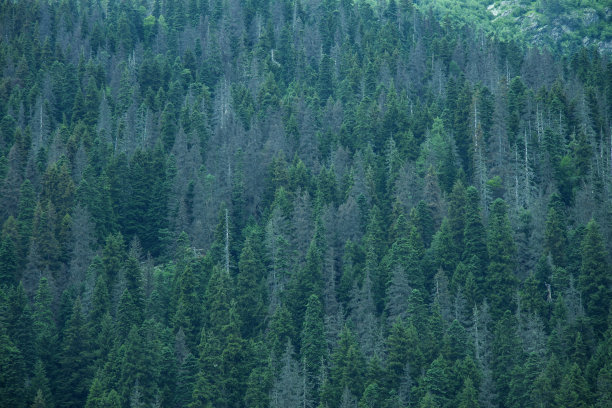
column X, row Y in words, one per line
column 303, row 203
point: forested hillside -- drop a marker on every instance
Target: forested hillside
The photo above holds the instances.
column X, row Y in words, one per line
column 560, row 25
column 300, row 203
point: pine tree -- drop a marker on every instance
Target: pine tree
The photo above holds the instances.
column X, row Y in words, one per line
column 40, row 385
column 313, row 348
column 74, row 360
column 189, row 309
column 131, row 303
column 287, row 388
column 249, row 288
column 113, row 257
column 128, row 315
column 468, row 398
column 19, row 323
column 258, row 386
column 100, row 301
column 9, row 253
column 455, row 342
column 500, row 244
column 39, row 400
column 140, row 363
column 224, row 363
column 555, row 233
column 186, row 380
column 305, row 282
column 347, row 370
column 456, row 221
column 506, row 353
column 574, row 391
column 475, row 240
column 406, row 256
column 95, row 397
column 546, row 386
column 594, row 280
column 45, row 329
column 12, row 373
column 25, row 213
column 399, row 351
column 436, row 382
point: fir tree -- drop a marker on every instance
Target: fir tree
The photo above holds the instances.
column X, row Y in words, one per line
column 594, row 280
column 502, row 252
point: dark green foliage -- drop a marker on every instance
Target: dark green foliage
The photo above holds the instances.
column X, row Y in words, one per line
column 556, row 231
column 12, row 370
column 502, row 252
column 347, row 369
column 188, row 310
column 75, row 373
column 305, row 204
column 39, row 386
column 468, row 398
column 305, row 282
column 313, row 344
column 507, row 354
column 9, row 257
column 594, row 280
column 250, row 295
column 45, row 329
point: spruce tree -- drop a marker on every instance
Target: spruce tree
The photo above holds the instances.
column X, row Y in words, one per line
column 45, row 329
column 555, row 233
column 594, row 280
column 12, row 372
column 475, row 240
column 9, row 253
column 502, row 252
column 189, row 309
column 249, row 287
column 75, row 371
column 313, row 343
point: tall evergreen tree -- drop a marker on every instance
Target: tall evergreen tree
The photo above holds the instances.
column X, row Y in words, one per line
column 594, row 280
column 75, row 373
column 313, row 344
column 500, row 244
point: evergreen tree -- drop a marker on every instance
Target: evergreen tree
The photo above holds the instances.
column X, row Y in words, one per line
column 186, row 380
column 507, row 353
column 475, row 239
column 131, row 121
column 347, row 370
column 556, row 231
column 249, row 288
column 594, row 280
column 45, row 329
column 305, row 282
column 399, row 353
column 189, row 309
column 287, row 389
column 436, row 383
column 140, row 363
column 39, row 386
column 9, row 253
column 574, row 391
column 468, row 398
column 131, row 304
column 19, row 323
column 502, row 252
column 113, row 257
column 313, row 344
column 12, row 373
column 74, row 360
